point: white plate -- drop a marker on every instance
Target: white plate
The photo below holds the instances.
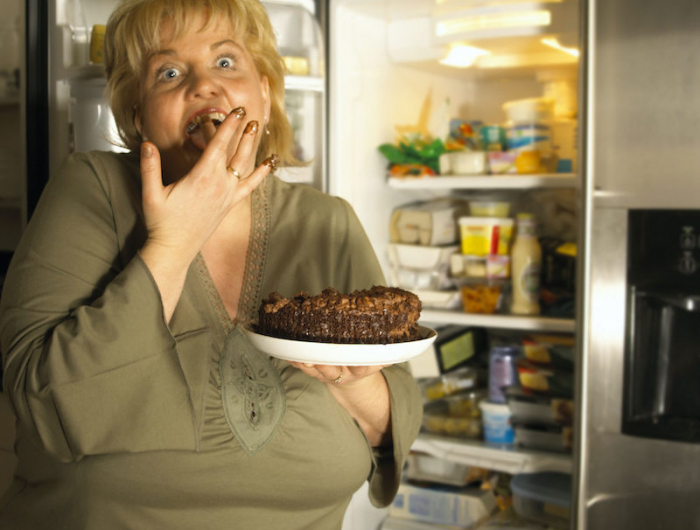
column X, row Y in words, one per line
column 342, row 354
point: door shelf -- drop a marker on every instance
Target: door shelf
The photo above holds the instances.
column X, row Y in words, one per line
column 497, row 182
column 529, row 323
column 304, row 83
column 478, row 453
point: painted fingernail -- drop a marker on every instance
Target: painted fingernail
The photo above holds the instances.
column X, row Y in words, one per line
column 272, row 162
column 239, row 112
column 251, row 128
column 146, row 150
column 205, row 119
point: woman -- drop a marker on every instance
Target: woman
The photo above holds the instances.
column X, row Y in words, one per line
column 140, row 403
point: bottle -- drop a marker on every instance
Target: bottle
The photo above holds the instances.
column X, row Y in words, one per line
column 526, row 263
column 502, row 371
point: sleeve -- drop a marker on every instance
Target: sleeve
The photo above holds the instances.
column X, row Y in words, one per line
column 363, row 270
column 406, row 416
column 90, row 364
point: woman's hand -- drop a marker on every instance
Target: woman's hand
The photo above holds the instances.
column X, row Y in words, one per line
column 180, row 217
column 339, row 375
column 362, row 391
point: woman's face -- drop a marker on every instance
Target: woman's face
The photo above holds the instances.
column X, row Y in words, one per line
column 201, row 73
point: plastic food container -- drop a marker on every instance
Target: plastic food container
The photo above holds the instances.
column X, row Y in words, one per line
column 543, row 497
column 530, row 109
column 462, row 265
column 482, row 296
column 489, row 208
column 457, row 415
column 485, row 235
column 463, row 163
column 412, row 279
column 502, row 162
column 552, row 350
column 440, row 470
column 544, row 381
column 493, row 137
column 530, row 137
column 493, row 266
column 497, row 423
column 450, row 383
column 420, row 256
column 545, row 437
column 449, row 299
column 535, row 409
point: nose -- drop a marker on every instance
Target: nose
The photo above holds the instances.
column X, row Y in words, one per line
column 202, row 83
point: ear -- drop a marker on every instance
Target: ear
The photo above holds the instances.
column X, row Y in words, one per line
column 265, row 86
column 137, row 119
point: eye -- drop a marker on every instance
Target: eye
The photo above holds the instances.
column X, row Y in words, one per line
column 168, row 74
column 225, row 62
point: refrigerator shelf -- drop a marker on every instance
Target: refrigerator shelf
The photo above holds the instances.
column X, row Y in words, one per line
column 515, row 182
column 529, row 323
column 304, row 83
column 507, row 459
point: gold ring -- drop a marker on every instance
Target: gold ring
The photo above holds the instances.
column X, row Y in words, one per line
column 339, row 378
column 234, row 172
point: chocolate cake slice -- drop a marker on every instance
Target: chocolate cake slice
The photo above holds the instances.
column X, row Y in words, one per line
column 380, row 315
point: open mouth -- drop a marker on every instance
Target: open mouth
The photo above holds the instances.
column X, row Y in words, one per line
column 196, row 132
column 215, row 117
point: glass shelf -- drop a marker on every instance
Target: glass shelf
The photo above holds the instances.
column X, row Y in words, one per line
column 498, row 182
column 507, row 459
column 529, row 323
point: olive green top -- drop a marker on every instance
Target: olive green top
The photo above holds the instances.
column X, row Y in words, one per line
column 126, row 422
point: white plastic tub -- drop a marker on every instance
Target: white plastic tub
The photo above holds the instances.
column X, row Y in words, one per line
column 496, row 423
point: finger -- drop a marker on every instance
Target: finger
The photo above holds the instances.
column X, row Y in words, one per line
column 218, row 145
column 244, row 153
column 208, row 128
column 329, row 372
column 151, row 176
column 247, row 184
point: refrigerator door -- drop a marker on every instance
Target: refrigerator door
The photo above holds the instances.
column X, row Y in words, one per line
column 301, row 43
column 80, row 119
column 642, row 109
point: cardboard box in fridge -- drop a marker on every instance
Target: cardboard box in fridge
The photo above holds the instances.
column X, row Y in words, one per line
column 431, row 223
column 463, row 507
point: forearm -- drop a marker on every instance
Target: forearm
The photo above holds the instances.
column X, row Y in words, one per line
column 369, row 402
column 169, row 271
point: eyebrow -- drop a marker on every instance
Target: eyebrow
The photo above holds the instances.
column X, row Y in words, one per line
column 169, row 51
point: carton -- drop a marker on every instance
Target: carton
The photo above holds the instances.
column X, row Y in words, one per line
column 463, row 507
column 427, row 223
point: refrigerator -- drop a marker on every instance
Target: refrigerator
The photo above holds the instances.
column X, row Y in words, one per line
column 634, row 85
column 629, row 203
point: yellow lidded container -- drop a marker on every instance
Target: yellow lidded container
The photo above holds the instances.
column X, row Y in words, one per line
column 97, row 40
column 482, row 236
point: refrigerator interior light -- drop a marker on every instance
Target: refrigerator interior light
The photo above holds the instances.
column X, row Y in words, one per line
column 493, row 21
column 554, row 43
column 462, row 55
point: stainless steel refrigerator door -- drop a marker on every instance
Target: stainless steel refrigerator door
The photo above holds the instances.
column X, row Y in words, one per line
column 644, row 101
column 642, row 110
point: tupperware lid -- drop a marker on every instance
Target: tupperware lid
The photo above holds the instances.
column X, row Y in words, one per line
column 550, row 487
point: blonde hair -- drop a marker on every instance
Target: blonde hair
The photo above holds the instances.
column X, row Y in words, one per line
column 132, row 35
